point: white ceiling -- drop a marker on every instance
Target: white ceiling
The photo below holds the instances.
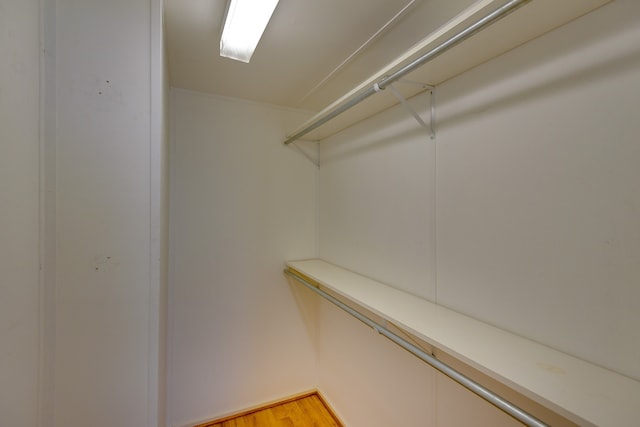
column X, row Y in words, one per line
column 298, row 61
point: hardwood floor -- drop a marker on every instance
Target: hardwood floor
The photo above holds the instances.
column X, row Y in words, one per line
column 304, row 411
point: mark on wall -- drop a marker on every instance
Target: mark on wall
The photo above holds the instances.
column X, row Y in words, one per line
column 105, row 263
column 102, row 93
column 105, row 88
column 551, row 368
column 100, row 90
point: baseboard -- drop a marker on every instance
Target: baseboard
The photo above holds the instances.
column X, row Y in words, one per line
column 329, row 407
column 262, row 406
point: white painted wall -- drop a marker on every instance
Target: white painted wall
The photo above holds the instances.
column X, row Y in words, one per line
column 538, row 201
column 106, row 146
column 524, row 214
column 241, row 204
column 376, row 197
column 376, row 201
column 19, row 201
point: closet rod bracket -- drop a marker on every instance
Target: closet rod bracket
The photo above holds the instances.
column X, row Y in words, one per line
column 412, row 111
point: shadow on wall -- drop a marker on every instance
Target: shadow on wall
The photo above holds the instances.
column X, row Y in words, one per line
column 537, row 76
column 389, row 127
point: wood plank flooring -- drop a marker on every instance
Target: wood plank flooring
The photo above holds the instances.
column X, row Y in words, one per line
column 304, row 411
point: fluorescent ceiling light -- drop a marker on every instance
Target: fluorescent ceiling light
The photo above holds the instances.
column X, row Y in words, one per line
column 243, row 27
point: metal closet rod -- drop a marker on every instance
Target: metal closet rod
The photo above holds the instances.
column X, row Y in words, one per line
column 436, row 51
column 461, row 379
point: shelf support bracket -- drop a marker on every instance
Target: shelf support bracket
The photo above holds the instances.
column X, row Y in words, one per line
column 413, row 112
column 307, row 155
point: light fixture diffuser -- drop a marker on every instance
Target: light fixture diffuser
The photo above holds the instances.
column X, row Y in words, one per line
column 243, row 27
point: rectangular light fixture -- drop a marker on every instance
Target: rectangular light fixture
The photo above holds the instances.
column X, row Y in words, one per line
column 243, row 27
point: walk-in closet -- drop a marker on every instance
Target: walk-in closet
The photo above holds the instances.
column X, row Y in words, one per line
column 411, row 213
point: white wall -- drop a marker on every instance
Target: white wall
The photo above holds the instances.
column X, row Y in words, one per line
column 106, row 140
column 523, row 214
column 241, row 204
column 376, row 197
column 376, row 201
column 19, row 198
column 538, row 220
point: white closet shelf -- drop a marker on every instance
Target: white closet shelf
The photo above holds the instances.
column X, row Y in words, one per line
column 526, row 23
column 580, row 391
